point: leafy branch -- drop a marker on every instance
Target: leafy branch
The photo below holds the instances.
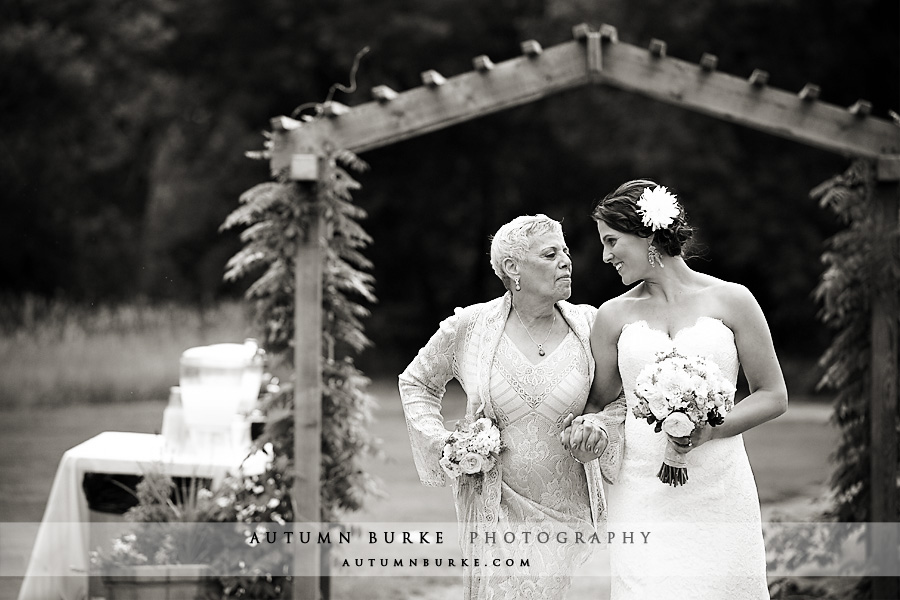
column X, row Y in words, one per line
column 276, row 217
column 855, row 268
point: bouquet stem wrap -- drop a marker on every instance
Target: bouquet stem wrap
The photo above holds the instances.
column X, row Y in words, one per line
column 674, row 467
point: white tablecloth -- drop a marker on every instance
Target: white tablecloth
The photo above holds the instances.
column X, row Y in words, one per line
column 59, row 563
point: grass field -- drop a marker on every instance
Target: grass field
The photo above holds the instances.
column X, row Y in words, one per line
column 68, row 376
column 54, row 354
column 789, row 456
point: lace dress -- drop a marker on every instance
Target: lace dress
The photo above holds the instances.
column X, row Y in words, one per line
column 543, row 489
column 536, row 484
column 705, row 537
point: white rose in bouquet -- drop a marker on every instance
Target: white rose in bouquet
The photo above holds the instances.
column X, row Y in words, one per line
column 660, row 408
column 675, row 384
column 678, row 424
column 471, row 463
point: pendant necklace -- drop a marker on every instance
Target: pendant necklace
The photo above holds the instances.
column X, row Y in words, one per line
column 528, row 333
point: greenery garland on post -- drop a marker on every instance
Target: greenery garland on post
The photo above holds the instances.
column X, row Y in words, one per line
column 845, row 293
column 275, row 215
column 854, row 270
column 858, row 266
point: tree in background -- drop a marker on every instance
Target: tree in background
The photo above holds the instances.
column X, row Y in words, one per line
column 124, row 127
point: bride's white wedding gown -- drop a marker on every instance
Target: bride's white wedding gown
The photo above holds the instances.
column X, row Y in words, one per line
column 704, row 538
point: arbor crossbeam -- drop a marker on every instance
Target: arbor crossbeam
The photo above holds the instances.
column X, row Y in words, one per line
column 432, row 107
column 592, row 57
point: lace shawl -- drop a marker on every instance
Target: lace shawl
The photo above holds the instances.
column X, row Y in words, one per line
column 612, row 420
column 463, row 348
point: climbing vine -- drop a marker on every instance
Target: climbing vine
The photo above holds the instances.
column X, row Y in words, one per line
column 275, row 217
column 855, row 268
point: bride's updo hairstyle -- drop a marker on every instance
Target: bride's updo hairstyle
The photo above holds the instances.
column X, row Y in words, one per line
column 619, row 210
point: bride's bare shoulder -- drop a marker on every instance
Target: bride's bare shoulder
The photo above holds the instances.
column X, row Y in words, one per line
column 731, row 302
column 728, row 291
column 707, row 284
column 616, row 312
column 621, row 303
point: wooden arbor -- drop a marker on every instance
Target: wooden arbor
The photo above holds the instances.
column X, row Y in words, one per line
column 591, row 57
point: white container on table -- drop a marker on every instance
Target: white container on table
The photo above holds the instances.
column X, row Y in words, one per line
column 219, row 383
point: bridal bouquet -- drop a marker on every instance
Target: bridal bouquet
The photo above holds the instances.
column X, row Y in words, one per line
column 472, row 450
column 680, row 393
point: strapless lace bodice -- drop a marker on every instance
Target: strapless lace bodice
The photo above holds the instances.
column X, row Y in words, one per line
column 639, row 343
column 713, row 519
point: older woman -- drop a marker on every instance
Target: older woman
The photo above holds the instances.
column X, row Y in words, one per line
column 524, row 361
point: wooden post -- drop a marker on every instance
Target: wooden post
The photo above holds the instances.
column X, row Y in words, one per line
column 884, row 392
column 307, row 406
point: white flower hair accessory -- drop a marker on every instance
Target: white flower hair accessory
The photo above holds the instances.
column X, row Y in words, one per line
column 658, row 207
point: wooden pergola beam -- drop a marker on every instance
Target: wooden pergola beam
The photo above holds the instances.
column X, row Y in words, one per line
column 749, row 102
column 591, row 57
column 432, row 107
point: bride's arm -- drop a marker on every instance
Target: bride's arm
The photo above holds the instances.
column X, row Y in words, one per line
column 602, row 434
column 604, row 339
column 756, row 352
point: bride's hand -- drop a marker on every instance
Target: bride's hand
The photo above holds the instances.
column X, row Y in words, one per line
column 583, row 434
column 698, row 437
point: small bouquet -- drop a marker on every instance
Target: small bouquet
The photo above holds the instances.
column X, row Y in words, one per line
column 472, row 450
column 680, row 393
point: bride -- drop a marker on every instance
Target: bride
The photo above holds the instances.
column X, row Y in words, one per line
column 705, row 538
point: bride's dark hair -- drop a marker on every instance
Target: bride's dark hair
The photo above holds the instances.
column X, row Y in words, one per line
column 619, row 210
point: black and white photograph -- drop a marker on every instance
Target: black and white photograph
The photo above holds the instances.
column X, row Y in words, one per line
column 450, row 300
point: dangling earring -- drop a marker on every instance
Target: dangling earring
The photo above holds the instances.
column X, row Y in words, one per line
column 518, row 287
column 653, row 257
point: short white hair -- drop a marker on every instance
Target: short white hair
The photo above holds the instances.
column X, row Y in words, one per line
column 513, row 240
